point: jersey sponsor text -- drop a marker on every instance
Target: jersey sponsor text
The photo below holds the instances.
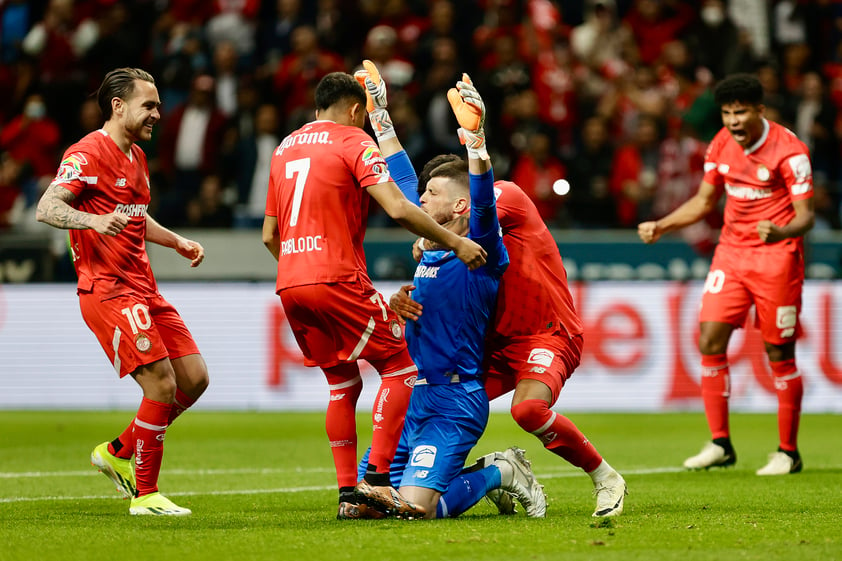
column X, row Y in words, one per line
column 135, row 211
column 322, row 137
column 426, row 272
column 747, row 193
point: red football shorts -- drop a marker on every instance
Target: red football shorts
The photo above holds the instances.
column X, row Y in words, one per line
column 342, row 322
column 135, row 330
column 549, row 358
column 770, row 278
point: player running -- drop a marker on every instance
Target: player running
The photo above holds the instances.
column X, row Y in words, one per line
column 765, row 173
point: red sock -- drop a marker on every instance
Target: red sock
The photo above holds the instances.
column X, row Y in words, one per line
column 716, row 389
column 150, row 425
column 397, row 376
column 122, row 447
column 345, row 385
column 790, row 389
column 558, row 433
column 181, row 404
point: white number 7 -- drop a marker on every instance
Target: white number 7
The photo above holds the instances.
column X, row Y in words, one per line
column 299, row 168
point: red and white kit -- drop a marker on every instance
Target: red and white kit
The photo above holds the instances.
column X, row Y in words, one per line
column 760, row 183
column 118, row 294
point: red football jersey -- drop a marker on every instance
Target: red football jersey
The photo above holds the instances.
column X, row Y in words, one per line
column 105, row 180
column 760, row 182
column 533, row 295
column 317, row 191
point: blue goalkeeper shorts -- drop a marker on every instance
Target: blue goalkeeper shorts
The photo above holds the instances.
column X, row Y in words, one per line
column 443, row 424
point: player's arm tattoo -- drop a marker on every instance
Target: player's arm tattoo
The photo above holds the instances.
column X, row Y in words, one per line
column 54, row 209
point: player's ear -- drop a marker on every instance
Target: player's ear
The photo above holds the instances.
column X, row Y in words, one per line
column 461, row 205
column 117, row 106
column 357, row 113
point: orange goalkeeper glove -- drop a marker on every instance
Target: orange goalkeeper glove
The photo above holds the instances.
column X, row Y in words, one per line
column 375, row 93
column 469, row 110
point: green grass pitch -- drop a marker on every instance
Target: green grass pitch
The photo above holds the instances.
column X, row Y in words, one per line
column 261, row 486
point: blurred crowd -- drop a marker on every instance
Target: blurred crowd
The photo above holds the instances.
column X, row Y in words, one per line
column 613, row 95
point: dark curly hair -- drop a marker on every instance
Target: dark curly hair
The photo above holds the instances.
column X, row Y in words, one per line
column 338, row 86
column 739, row 88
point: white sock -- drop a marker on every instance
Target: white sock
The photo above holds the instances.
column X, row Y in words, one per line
column 602, row 472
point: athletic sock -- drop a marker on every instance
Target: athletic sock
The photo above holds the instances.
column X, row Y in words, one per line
column 397, row 375
column 716, row 389
column 466, row 490
column 150, row 426
column 121, row 447
column 345, row 385
column 558, row 433
column 790, row 389
column 725, row 443
column 602, row 472
column 181, row 404
column 346, row 495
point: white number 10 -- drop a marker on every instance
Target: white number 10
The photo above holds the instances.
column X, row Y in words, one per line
column 299, row 168
column 138, row 317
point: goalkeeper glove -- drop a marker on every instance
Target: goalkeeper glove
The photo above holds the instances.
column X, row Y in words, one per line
column 469, row 110
column 375, row 93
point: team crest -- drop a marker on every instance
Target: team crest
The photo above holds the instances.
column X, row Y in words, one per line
column 396, row 330
column 142, row 342
column 763, row 173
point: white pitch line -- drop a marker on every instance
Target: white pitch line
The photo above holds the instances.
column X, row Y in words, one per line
column 234, row 471
column 169, row 494
column 7, row 500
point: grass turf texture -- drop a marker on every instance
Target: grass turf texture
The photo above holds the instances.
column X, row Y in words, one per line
column 261, row 486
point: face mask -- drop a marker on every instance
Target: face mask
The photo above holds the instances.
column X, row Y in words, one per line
column 712, row 15
column 35, row 110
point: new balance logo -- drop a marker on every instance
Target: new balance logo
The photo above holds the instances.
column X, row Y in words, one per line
column 120, row 182
column 337, row 397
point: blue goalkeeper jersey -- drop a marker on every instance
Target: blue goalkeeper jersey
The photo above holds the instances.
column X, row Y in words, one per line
column 448, row 339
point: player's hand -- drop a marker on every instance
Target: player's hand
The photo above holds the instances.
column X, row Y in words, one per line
column 769, row 232
column 470, row 253
column 376, row 102
column 418, row 249
column 191, row 250
column 648, row 231
column 110, row 224
column 469, row 110
column 404, row 306
column 374, row 86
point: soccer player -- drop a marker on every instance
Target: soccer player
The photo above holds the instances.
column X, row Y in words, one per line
column 101, row 194
column 536, row 339
column 322, row 178
column 765, row 173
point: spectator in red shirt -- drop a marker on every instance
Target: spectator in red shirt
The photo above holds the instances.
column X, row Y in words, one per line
column 654, row 23
column 190, row 147
column 32, row 138
column 300, row 71
column 635, row 172
column 536, row 169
